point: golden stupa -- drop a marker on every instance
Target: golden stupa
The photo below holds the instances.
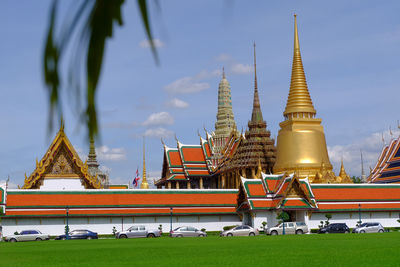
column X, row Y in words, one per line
column 301, row 145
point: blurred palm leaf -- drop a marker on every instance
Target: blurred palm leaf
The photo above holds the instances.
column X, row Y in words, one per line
column 93, row 23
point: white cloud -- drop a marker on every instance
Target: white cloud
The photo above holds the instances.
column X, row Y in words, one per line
column 146, row 43
column 160, row 118
column 192, row 84
column 110, row 154
column 186, row 85
column 177, row 103
column 234, row 66
column 371, row 147
column 239, row 68
column 224, row 58
column 11, row 185
column 158, row 132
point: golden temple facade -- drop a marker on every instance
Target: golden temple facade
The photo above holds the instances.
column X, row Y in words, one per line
column 61, row 166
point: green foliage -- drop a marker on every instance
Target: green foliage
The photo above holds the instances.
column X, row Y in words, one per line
column 90, row 24
column 160, row 228
column 114, row 230
column 398, row 220
column 16, row 233
column 323, row 224
column 66, row 229
column 283, row 217
column 356, row 180
column 229, row 227
column 203, row 229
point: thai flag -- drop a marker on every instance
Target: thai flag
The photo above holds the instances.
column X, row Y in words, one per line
column 136, row 179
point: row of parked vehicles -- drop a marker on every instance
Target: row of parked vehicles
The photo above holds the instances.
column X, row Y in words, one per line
column 138, row 231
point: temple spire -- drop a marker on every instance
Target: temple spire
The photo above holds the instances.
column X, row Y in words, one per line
column 144, row 184
column 363, row 176
column 92, row 158
column 256, row 115
column 223, row 73
column 299, row 100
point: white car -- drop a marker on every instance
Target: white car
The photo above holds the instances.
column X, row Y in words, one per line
column 291, row 228
column 241, row 230
column 27, row 235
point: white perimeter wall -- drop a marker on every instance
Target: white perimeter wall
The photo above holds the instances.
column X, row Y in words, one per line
column 104, row 225
column 62, row 184
column 387, row 219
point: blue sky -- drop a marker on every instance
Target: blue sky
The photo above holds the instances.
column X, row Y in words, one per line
column 350, row 55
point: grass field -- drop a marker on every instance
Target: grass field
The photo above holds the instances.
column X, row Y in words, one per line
column 305, row 250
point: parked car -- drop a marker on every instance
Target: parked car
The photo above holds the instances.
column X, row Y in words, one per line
column 138, row 231
column 291, row 228
column 241, row 230
column 334, row 228
column 187, row 231
column 371, row 227
column 27, row 235
column 79, row 234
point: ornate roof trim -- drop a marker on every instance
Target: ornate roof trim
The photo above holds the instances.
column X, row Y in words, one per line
column 41, row 166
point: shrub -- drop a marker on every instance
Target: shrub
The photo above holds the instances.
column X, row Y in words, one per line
column 264, row 224
column 160, row 228
column 229, row 227
column 203, row 229
column 16, row 233
column 66, row 230
column 114, row 230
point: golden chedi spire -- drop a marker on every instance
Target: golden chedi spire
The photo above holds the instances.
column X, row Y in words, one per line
column 144, row 184
column 301, row 141
column 299, row 100
column 344, row 177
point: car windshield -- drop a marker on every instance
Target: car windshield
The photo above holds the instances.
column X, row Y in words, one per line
column 363, row 225
column 176, row 229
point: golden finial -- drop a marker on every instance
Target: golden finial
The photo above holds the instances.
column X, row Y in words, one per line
column 259, row 169
column 144, row 184
column 62, row 124
column 299, row 99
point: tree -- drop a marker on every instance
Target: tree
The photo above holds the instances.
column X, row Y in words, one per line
column 283, row 217
column 356, row 180
column 92, row 23
column 328, row 216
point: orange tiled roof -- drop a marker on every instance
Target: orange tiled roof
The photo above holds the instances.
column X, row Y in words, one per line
column 120, row 202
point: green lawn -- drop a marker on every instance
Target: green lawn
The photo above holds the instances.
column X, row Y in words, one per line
column 306, row 250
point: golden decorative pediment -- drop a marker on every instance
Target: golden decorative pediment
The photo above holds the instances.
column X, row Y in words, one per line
column 61, row 161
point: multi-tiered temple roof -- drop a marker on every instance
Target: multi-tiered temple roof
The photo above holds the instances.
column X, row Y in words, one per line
column 257, row 146
column 387, row 168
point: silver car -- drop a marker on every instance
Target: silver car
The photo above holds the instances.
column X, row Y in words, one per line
column 187, row 231
column 138, row 231
column 27, row 235
column 291, row 228
column 371, row 227
column 241, row 230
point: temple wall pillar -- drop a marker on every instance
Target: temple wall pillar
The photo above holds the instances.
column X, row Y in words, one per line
column 177, row 185
column 201, row 183
column 188, row 185
column 169, row 184
column 223, row 184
